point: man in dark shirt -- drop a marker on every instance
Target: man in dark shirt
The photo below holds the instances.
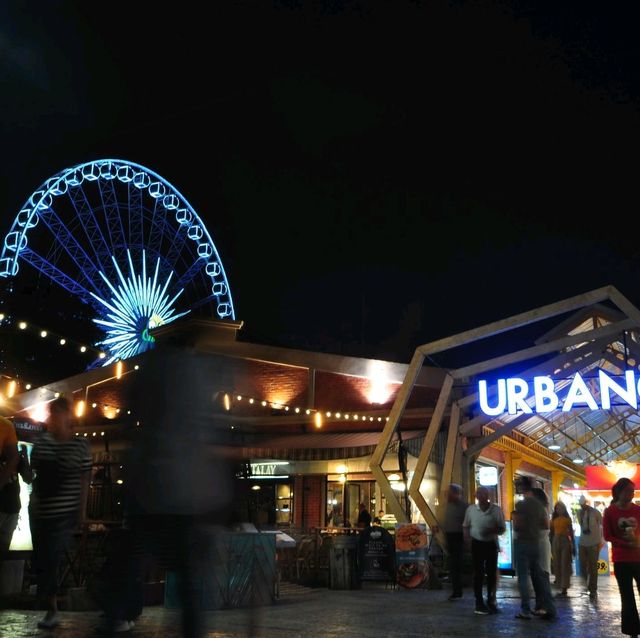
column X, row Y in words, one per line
column 364, row 518
column 452, row 527
column 529, row 518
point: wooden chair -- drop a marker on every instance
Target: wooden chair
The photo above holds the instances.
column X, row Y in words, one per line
column 306, row 548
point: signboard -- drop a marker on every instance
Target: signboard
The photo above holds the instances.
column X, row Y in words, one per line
column 488, row 476
column 515, row 395
column 505, row 556
column 604, row 562
column 411, row 554
column 21, row 539
column 602, row 477
column 376, row 554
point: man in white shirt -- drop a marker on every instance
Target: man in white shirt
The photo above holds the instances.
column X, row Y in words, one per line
column 483, row 523
column 590, row 543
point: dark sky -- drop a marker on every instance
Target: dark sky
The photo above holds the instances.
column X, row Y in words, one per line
column 374, row 175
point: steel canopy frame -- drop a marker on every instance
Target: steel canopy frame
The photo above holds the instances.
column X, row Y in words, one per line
column 458, row 428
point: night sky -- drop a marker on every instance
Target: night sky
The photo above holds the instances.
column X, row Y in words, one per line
column 374, row 175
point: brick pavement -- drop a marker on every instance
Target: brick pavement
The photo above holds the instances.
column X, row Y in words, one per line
column 370, row 611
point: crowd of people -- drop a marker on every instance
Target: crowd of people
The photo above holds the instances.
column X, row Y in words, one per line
column 544, row 545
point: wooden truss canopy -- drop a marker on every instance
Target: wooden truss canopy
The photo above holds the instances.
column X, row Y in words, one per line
column 595, row 336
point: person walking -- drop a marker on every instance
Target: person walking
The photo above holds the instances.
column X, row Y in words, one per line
column 589, row 544
column 562, row 546
column 483, row 523
column 545, row 551
column 61, row 465
column 621, row 527
column 529, row 517
column 452, row 527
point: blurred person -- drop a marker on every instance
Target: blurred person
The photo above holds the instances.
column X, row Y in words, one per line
column 545, row 551
column 529, row 517
column 483, row 523
column 621, row 527
column 364, row 518
column 61, row 465
column 590, row 543
column 452, row 527
column 562, row 546
column 179, row 476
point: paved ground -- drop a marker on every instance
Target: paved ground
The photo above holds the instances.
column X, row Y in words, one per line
column 372, row 611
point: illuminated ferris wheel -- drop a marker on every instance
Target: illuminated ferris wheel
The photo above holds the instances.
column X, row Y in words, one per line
column 125, row 241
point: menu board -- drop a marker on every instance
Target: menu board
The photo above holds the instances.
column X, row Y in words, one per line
column 376, row 554
column 411, row 554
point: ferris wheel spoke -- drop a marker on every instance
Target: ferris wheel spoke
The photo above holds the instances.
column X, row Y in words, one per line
column 158, row 227
column 190, row 273
column 136, row 216
column 53, row 273
column 72, row 248
column 177, row 244
column 113, row 219
column 93, row 231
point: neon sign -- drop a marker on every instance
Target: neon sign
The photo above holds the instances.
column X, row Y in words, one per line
column 514, row 395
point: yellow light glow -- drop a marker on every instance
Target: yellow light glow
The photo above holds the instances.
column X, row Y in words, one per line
column 102, row 355
column 83, row 348
column 11, row 389
column 38, row 412
column 80, row 405
column 63, row 341
column 318, row 420
column 379, row 390
column 109, row 411
column 394, row 477
column 341, row 469
column 22, row 325
column 28, row 386
column 119, row 369
column 622, row 469
column 43, row 333
column 342, row 478
column 227, row 402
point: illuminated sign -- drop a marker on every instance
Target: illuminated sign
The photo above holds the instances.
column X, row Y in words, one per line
column 488, row 476
column 268, row 469
column 515, row 395
column 21, row 538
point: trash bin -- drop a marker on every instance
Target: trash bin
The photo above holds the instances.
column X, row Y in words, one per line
column 343, row 563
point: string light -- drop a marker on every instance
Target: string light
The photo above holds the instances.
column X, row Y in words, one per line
column 229, row 399
column 62, row 340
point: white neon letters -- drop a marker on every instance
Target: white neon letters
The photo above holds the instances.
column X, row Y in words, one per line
column 519, row 396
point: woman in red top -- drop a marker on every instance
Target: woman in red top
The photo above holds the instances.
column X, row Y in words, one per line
column 621, row 527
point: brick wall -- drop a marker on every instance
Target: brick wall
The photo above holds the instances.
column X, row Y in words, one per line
column 309, row 501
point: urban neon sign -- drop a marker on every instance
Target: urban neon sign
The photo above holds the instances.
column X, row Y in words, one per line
column 514, row 395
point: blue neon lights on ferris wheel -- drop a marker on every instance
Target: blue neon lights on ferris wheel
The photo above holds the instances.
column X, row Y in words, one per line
column 88, row 225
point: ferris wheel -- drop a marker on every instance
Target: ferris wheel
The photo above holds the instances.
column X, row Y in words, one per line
column 125, row 241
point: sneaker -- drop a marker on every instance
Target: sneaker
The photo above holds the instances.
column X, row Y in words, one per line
column 122, row 626
column 482, row 610
column 49, row 622
column 548, row 616
column 524, row 615
column 493, row 608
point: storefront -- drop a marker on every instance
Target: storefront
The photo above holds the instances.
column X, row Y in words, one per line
column 267, row 494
